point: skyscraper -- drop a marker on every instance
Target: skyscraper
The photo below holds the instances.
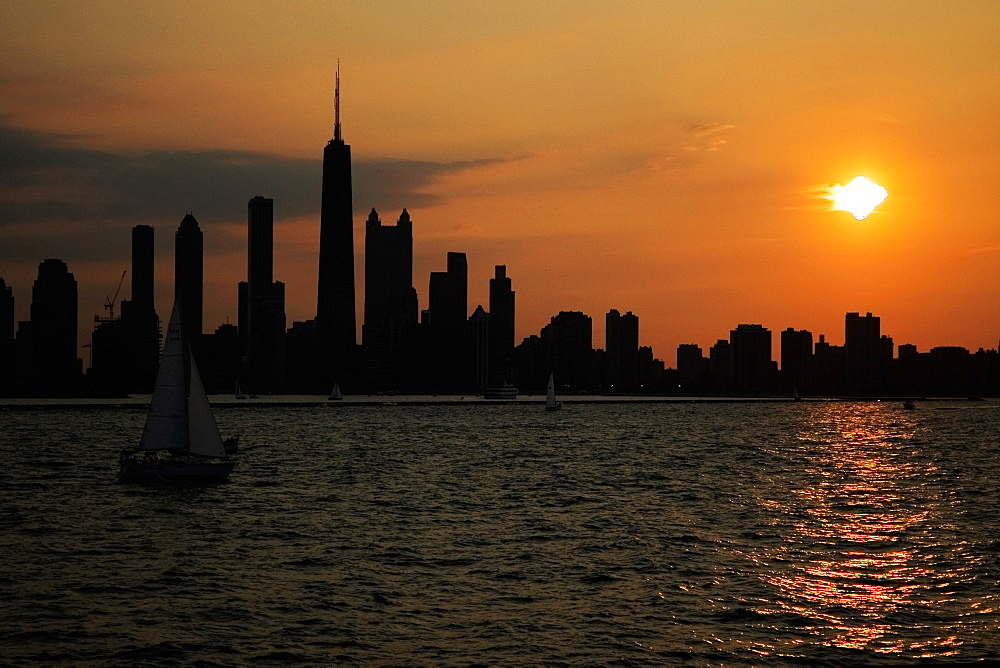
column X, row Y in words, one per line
column 189, row 248
column 262, row 311
column 139, row 319
column 692, row 367
column 751, row 346
column 864, row 353
column 6, row 335
column 447, row 313
column 260, row 245
column 46, row 345
column 448, row 294
column 501, row 338
column 335, row 308
column 390, row 299
column 568, row 344
column 621, row 342
column 797, row 359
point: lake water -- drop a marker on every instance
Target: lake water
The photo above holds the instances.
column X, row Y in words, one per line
column 655, row 533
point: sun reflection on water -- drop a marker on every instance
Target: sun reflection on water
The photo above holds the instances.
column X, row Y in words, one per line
column 858, row 554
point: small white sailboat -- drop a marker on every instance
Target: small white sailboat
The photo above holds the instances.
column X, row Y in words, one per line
column 180, row 440
column 335, row 395
column 239, row 393
column 550, row 396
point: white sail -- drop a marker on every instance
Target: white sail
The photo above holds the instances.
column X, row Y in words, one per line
column 550, row 393
column 203, row 432
column 166, row 421
column 335, row 394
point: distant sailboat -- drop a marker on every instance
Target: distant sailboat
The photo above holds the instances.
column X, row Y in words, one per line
column 550, row 396
column 335, row 395
column 180, row 440
column 239, row 393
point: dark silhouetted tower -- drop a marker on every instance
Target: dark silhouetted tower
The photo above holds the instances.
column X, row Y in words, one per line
column 335, row 308
column 621, row 336
column 720, row 366
column 139, row 319
column 797, row 359
column 692, row 367
column 447, row 313
column 828, row 367
column 568, row 345
column 46, row 345
column 390, row 299
column 260, row 245
column 751, row 345
column 862, row 350
column 189, row 248
column 613, row 346
column 448, row 293
column 262, row 313
column 501, row 338
column 6, row 335
column 479, row 343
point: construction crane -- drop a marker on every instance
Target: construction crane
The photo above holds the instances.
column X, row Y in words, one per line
column 110, row 301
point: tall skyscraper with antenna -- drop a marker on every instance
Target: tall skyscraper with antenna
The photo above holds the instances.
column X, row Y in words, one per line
column 335, row 310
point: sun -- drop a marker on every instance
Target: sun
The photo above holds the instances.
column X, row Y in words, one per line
column 860, row 197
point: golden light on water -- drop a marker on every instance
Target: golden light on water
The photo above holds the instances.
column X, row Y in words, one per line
column 856, row 555
column 860, row 197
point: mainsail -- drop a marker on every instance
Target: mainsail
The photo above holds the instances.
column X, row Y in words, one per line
column 180, row 417
column 166, row 421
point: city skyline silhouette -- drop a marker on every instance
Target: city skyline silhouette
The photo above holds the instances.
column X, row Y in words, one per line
column 651, row 182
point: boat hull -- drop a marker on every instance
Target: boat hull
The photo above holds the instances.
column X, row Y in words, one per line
column 150, row 467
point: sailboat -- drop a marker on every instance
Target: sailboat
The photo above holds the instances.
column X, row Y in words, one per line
column 239, row 393
column 550, row 396
column 335, row 394
column 180, row 441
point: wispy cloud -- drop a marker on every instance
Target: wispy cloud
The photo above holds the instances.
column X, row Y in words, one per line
column 694, row 141
column 46, row 181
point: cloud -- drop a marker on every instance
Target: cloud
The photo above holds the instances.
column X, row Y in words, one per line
column 696, row 139
column 389, row 184
column 52, row 190
column 708, row 136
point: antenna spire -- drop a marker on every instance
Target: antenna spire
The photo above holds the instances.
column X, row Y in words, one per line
column 336, row 107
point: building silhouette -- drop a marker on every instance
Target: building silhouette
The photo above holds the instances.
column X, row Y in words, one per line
column 651, row 371
column 501, row 336
column 335, row 307
column 140, row 322
column 692, row 368
column 45, row 348
column 388, row 333
column 262, row 304
column 828, row 367
column 864, row 358
column 621, row 335
column 478, row 336
column 445, row 325
column 189, row 276
column 720, row 366
column 797, row 360
column 6, row 337
column 568, row 344
column 751, row 352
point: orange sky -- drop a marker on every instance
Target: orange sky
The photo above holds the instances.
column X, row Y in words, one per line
column 657, row 157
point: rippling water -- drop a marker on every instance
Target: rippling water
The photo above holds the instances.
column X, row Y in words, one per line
column 773, row 534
